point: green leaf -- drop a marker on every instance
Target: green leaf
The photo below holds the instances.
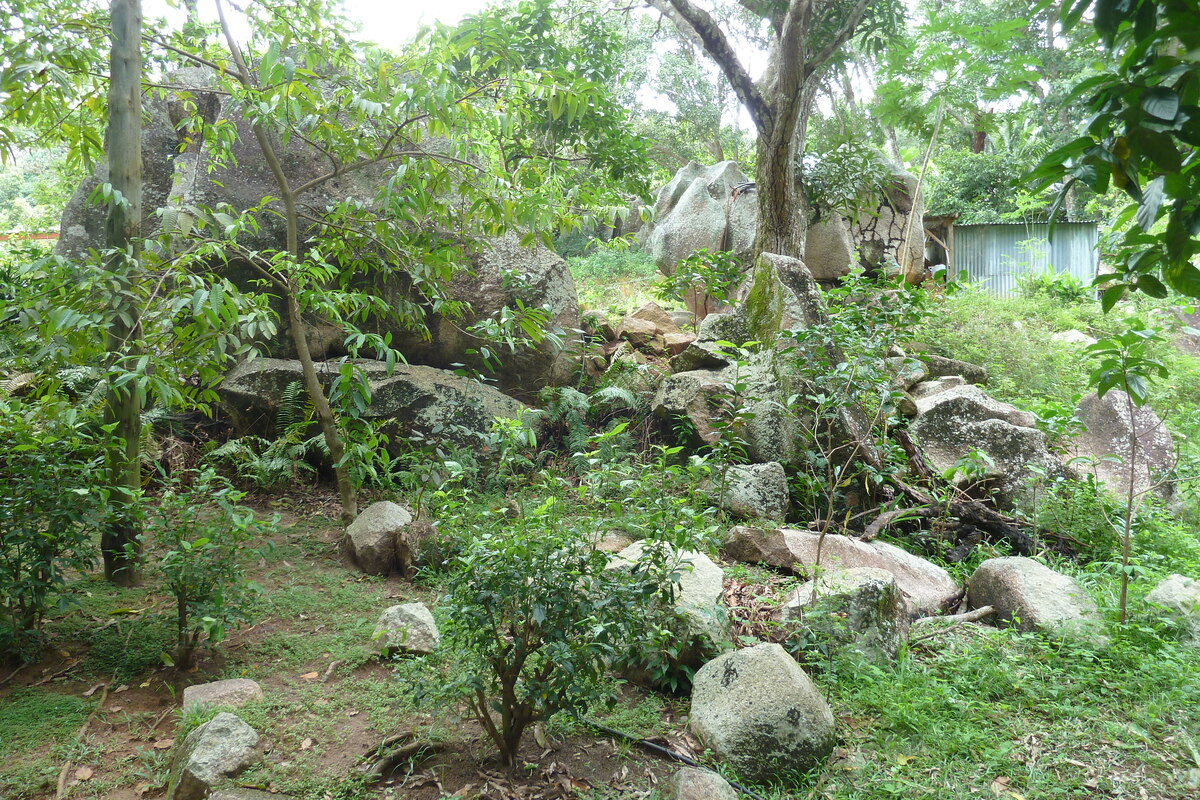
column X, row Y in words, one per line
column 1150, row 285
column 1184, row 278
column 1161, row 102
column 1110, row 296
column 1152, row 197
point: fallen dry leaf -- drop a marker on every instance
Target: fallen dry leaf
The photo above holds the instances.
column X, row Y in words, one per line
column 83, row 773
column 307, row 743
column 164, row 744
column 999, row 786
column 93, row 690
column 308, row 676
column 124, row 687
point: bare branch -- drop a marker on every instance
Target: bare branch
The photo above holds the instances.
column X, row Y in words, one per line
column 694, row 22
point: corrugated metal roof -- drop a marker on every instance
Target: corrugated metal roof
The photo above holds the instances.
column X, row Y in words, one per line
column 994, row 255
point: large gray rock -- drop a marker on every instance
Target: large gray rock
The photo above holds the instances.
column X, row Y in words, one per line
column 955, row 422
column 698, row 598
column 967, row 403
column 927, row 587
column 246, row 179
column 1032, row 597
column 860, row 607
column 1111, row 431
column 213, row 752
column 231, row 693
column 756, row 491
column 692, row 783
column 487, row 286
column 1181, row 596
column 428, row 402
column 942, row 367
column 758, row 710
column 408, row 628
column 695, row 210
column 373, row 539
column 926, row 389
column 829, row 249
column 893, row 230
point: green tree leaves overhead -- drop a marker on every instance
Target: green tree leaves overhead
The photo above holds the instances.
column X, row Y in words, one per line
column 1143, row 138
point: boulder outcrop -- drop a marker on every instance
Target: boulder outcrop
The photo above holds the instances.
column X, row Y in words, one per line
column 433, row 403
column 217, row 750
column 860, row 607
column 927, row 587
column 176, row 179
column 1111, row 431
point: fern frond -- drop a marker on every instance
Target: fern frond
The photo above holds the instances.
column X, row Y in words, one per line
column 618, row 396
column 295, row 408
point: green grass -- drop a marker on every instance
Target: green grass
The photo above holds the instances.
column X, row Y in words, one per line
column 994, row 703
column 30, row 719
column 614, row 282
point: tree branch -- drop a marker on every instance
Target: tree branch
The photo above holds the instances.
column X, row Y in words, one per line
column 849, row 25
column 694, row 22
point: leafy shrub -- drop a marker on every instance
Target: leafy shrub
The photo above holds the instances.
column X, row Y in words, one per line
column 847, row 179
column 714, row 273
column 1061, row 286
column 533, row 619
column 840, row 364
column 1082, row 512
column 50, row 508
column 202, row 530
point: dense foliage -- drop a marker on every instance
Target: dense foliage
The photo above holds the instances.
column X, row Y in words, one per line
column 50, row 511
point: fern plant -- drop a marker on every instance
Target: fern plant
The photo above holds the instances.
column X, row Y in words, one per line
column 270, row 463
column 572, row 417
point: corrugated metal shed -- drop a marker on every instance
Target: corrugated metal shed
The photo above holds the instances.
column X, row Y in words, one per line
column 993, row 255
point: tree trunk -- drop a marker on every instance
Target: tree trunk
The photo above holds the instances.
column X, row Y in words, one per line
column 325, row 417
column 978, row 141
column 780, row 229
column 120, row 541
column 312, row 384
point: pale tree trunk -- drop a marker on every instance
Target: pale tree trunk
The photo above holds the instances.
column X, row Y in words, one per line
column 120, row 541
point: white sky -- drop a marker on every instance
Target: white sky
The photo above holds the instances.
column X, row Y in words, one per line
column 384, row 22
column 390, row 22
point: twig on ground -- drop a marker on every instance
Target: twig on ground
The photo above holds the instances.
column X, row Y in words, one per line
column 329, row 670
column 12, row 675
column 955, row 620
column 59, row 674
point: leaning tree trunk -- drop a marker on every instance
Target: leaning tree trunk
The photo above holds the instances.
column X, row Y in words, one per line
column 326, row 418
column 120, row 541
